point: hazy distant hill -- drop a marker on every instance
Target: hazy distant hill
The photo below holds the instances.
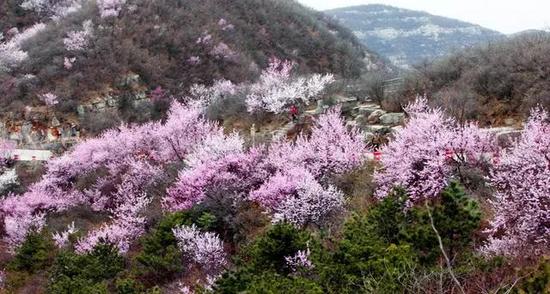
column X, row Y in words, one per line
column 406, row 36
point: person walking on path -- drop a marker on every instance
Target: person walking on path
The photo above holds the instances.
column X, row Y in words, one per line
column 293, row 112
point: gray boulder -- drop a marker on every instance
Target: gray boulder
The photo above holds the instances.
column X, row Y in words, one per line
column 374, row 117
column 392, row 119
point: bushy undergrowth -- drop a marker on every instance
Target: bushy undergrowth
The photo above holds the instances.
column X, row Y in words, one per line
column 88, row 273
column 386, row 248
column 380, row 251
column 488, row 83
column 159, row 258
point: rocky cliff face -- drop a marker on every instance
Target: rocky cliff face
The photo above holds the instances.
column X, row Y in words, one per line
column 406, row 36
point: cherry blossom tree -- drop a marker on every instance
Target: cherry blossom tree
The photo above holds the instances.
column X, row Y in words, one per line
column 278, row 88
column 204, row 39
column 307, row 202
column 126, row 225
column 50, row 99
column 225, row 25
column 417, row 160
column 131, row 160
column 236, row 173
column 223, row 51
column 331, row 148
column 203, row 248
column 11, row 52
column 68, row 62
column 55, row 9
column 289, row 179
column 79, row 40
column 521, row 225
column 110, row 8
column 208, row 95
column 194, row 60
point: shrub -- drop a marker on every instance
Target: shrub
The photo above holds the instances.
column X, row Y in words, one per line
column 34, row 254
column 364, row 258
column 128, row 286
column 262, row 265
column 160, row 259
column 87, row 273
column 380, row 250
column 456, row 217
column 268, row 252
column 538, row 281
column 266, row 282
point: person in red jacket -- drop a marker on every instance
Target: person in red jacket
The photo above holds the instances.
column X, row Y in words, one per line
column 293, row 112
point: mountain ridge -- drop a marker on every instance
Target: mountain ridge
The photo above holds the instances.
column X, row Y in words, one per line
column 407, row 37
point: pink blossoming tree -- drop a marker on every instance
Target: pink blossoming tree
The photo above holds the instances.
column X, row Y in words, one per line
column 203, row 248
column 11, row 53
column 50, row 99
column 277, row 88
column 54, row 9
column 289, row 179
column 131, row 159
column 110, row 8
column 79, row 40
column 521, row 225
column 300, row 260
column 417, row 158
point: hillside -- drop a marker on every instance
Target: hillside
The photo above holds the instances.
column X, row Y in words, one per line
column 407, row 37
column 497, row 83
column 97, row 64
column 252, row 160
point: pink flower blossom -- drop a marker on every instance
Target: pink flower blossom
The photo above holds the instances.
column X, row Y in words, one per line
column 62, row 239
column 56, row 9
column 236, row 173
column 194, row 60
column 110, row 8
column 330, row 149
column 68, row 62
column 415, row 159
column 300, row 260
column 311, row 204
column 11, row 54
column 204, row 249
column 223, row 51
column 131, row 160
column 277, row 88
column 208, row 95
column 205, row 39
column 225, row 25
column 521, row 180
column 79, row 40
column 17, row 227
column 50, row 99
